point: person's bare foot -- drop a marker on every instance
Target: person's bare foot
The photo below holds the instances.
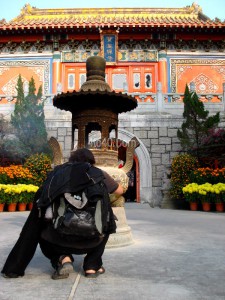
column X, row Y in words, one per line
column 93, row 274
column 66, row 259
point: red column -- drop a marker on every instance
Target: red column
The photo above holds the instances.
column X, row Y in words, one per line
column 56, row 71
column 163, row 70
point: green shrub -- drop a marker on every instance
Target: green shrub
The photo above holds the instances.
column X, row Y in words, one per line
column 39, row 165
column 181, row 168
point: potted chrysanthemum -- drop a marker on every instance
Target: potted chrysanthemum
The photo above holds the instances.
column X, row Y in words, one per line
column 191, row 195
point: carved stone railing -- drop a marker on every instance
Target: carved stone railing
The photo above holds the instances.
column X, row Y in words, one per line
column 170, row 103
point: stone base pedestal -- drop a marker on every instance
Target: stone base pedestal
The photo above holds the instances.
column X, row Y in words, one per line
column 123, row 235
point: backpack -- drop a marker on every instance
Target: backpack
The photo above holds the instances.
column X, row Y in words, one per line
column 76, row 207
column 79, row 214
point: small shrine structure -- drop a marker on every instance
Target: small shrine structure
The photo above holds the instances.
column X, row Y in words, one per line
column 96, row 107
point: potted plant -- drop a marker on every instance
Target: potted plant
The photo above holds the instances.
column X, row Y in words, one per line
column 26, row 194
column 181, row 168
column 21, row 204
column 206, row 203
column 19, row 193
column 191, row 195
column 8, row 194
column 218, row 196
column 2, row 199
column 29, row 199
column 11, row 202
column 204, row 195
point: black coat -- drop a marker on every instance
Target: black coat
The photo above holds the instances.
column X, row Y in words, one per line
column 73, row 180
column 68, row 178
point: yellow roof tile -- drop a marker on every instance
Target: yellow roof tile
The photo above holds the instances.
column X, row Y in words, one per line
column 111, row 16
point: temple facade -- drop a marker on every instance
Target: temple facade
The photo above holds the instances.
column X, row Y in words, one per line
column 150, row 53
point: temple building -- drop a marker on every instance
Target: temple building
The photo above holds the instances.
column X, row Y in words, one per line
column 150, row 53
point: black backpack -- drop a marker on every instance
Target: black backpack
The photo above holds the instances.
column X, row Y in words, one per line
column 80, row 214
column 76, row 203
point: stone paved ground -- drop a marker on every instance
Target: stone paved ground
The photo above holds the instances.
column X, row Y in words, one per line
column 176, row 255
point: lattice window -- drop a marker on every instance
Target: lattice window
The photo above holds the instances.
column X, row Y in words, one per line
column 82, row 79
column 148, row 80
column 119, row 81
column 136, row 80
column 71, row 81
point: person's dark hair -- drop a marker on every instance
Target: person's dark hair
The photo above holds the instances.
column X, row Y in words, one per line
column 82, row 155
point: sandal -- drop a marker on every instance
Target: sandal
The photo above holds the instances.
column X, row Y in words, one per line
column 56, row 275
column 11, row 275
column 63, row 270
column 96, row 274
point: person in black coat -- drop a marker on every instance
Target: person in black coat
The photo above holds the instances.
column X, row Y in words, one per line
column 57, row 250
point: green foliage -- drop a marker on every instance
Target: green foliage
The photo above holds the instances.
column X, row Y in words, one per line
column 14, row 148
column 39, row 164
column 181, row 168
column 213, row 145
column 28, row 120
column 5, row 130
column 197, row 123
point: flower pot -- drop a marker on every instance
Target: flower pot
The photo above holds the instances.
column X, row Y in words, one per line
column 22, row 206
column 206, row 206
column 12, row 207
column 220, row 206
column 2, row 207
column 193, row 206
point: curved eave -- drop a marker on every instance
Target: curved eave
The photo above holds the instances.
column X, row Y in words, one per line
column 77, row 101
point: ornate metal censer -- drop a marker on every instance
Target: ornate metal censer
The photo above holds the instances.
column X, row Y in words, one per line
column 95, row 107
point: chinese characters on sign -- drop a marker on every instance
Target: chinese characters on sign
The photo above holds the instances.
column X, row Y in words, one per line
column 110, row 48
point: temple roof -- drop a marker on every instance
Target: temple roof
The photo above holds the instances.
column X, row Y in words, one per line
column 32, row 17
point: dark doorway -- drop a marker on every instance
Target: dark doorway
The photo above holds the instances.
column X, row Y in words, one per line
column 131, row 193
